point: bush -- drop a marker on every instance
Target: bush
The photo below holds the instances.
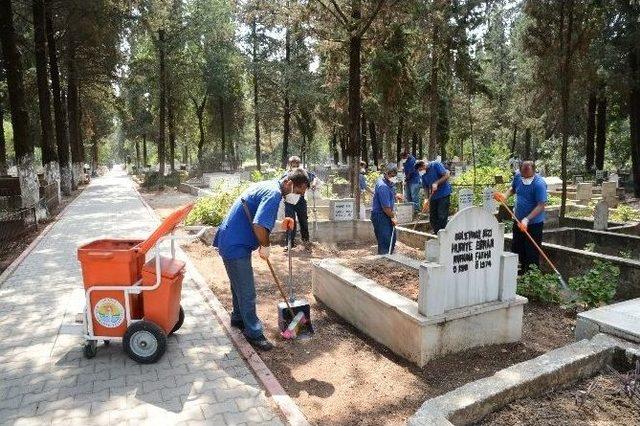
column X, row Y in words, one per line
column 154, row 180
column 598, row 286
column 538, row 286
column 211, row 210
column 258, row 176
column 624, row 214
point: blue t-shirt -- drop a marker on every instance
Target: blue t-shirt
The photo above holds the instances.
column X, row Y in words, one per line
column 384, row 195
column 235, row 238
column 435, row 170
column 529, row 196
column 411, row 176
column 362, row 181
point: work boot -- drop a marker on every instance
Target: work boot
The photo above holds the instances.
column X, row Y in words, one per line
column 237, row 324
column 261, row 343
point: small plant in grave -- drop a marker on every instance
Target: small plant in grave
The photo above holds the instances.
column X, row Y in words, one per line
column 211, row 210
column 598, row 286
column 625, row 214
column 626, row 254
column 540, row 287
column 590, row 247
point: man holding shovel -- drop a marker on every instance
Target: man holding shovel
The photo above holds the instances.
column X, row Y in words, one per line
column 383, row 217
column 298, row 212
column 435, row 181
column 531, row 198
column 246, row 228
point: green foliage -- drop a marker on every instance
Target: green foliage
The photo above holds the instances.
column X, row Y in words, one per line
column 590, row 247
column 258, row 176
column 553, row 200
column 626, row 254
column 598, row 285
column 153, row 179
column 485, row 176
column 624, row 213
column 540, row 287
column 211, row 210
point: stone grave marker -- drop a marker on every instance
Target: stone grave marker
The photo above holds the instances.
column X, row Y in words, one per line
column 601, row 216
column 610, row 193
column 554, row 183
column 488, row 202
column 466, row 265
column 342, row 209
column 578, row 179
column 613, row 177
column 404, row 212
column 465, row 199
column 584, row 192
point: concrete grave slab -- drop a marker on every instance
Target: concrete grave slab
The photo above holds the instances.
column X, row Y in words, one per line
column 619, row 319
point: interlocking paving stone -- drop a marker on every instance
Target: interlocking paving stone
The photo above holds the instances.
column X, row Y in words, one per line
column 44, row 377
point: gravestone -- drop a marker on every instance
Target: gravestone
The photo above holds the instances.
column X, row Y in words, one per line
column 610, row 193
column 554, row 183
column 465, row 199
column 584, row 192
column 613, row 177
column 601, row 216
column 404, row 212
column 342, row 210
column 488, row 202
column 466, row 265
column 578, row 179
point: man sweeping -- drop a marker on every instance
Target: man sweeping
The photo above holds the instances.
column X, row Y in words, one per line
column 237, row 237
column 531, row 197
column 298, row 212
column 435, row 181
column 383, row 217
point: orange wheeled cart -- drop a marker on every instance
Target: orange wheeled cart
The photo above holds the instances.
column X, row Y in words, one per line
column 129, row 299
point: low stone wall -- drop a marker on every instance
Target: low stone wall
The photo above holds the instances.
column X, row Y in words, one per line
column 326, row 231
column 610, row 243
column 188, row 188
column 575, row 222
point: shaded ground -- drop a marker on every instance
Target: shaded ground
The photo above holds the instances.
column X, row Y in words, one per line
column 10, row 250
column 341, row 376
column 595, row 401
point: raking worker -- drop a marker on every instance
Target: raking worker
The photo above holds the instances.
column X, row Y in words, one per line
column 531, row 197
column 298, row 212
column 383, row 216
column 435, row 181
column 235, row 240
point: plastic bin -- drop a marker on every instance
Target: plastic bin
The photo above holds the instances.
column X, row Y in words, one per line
column 111, row 262
column 162, row 305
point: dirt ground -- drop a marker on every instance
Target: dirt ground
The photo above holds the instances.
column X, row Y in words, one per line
column 11, row 250
column 399, row 278
column 595, row 401
column 341, row 376
column 165, row 201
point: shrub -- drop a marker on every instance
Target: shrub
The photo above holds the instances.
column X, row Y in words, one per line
column 154, row 180
column 258, row 176
column 598, row 286
column 538, row 286
column 625, row 214
column 211, row 210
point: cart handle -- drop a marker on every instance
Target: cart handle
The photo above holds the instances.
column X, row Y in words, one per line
column 100, row 255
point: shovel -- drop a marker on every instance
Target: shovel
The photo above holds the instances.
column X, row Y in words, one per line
column 542, row 253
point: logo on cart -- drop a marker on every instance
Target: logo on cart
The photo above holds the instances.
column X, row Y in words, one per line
column 109, row 312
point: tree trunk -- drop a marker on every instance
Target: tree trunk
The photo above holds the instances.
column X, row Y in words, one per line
column 565, row 95
column 343, row 147
column 172, row 130
column 334, row 145
column 49, row 154
column 137, row 155
column 3, row 142
column 374, row 142
column 514, row 140
column 414, row 144
column 601, row 132
column 591, row 132
column 421, row 147
column 144, row 150
column 223, row 139
column 634, row 110
column 364, row 155
column 434, row 100
column 61, row 129
column 73, row 116
column 23, row 146
column 355, row 110
column 200, row 115
column 163, row 101
column 286, row 127
column 256, row 113
column 399, row 137
column 527, row 144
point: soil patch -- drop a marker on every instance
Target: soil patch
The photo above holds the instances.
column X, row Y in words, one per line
column 393, row 275
column 166, row 200
column 598, row 400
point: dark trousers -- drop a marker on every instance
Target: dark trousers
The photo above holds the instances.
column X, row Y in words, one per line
column 383, row 228
column 439, row 213
column 527, row 254
column 299, row 210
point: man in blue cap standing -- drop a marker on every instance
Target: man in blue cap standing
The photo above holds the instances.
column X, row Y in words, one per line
column 246, row 228
column 383, row 217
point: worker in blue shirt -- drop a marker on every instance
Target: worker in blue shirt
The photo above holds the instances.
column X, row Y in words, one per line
column 411, row 181
column 383, row 216
column 435, row 181
column 531, row 198
column 362, row 180
column 238, row 236
column 299, row 209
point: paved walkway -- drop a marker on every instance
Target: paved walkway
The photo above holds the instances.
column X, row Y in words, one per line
column 44, row 377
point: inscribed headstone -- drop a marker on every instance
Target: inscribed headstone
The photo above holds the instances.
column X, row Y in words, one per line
column 404, row 212
column 465, row 199
column 584, row 191
column 342, row 210
column 488, row 202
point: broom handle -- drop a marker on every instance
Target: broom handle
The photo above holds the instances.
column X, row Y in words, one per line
column 275, row 277
column 531, row 239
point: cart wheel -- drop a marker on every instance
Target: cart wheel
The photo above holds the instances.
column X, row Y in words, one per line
column 144, row 342
column 90, row 349
column 180, row 321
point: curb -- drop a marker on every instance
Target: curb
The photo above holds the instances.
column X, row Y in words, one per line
column 18, row 260
column 287, row 406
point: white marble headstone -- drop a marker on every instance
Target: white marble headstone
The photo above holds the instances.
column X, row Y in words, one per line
column 488, row 202
column 601, row 216
column 465, row 199
column 342, row 210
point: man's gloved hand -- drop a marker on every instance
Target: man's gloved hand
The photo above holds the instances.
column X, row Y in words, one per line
column 394, row 221
column 499, row 197
column 524, row 224
column 263, row 251
column 434, row 187
column 399, row 198
column 288, row 224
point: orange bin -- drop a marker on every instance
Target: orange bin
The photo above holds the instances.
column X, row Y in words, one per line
column 162, row 305
column 108, row 263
